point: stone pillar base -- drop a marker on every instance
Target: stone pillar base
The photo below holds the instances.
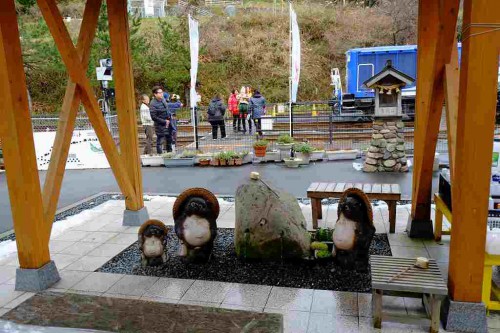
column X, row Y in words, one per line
column 387, row 152
column 135, row 218
column 37, row 279
column 463, row 316
column 419, row 228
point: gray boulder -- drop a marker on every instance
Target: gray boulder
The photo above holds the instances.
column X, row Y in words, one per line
column 269, row 223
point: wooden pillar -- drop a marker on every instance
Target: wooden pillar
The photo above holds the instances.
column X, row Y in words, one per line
column 18, row 146
column 125, row 97
column 475, row 126
column 436, row 37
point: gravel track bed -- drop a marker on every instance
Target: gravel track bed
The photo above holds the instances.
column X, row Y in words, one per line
column 226, row 267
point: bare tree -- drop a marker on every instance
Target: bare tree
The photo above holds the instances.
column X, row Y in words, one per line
column 404, row 15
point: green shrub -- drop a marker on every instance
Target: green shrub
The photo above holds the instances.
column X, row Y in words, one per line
column 188, row 154
column 303, row 148
column 324, row 235
column 319, row 246
column 168, row 155
column 322, row 254
column 285, row 139
column 261, row 143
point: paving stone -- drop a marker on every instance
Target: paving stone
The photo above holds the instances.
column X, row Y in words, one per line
column 97, row 282
column 133, row 285
column 335, row 302
column 248, row 295
column 290, row 299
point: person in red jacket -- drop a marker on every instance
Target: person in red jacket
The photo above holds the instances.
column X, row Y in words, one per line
column 233, row 107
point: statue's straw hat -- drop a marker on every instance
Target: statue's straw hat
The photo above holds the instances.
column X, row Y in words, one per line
column 196, row 192
column 157, row 223
column 361, row 195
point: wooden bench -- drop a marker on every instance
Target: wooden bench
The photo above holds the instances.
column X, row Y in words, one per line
column 441, row 209
column 426, row 283
column 390, row 193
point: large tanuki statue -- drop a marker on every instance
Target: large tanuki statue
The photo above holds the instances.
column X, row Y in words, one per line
column 152, row 242
column 354, row 230
column 195, row 213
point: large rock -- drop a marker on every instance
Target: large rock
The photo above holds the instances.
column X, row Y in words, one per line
column 269, row 223
column 400, row 124
column 389, row 163
column 369, row 168
column 374, row 155
column 377, row 136
column 385, row 131
column 390, row 136
column 373, row 149
column 370, row 161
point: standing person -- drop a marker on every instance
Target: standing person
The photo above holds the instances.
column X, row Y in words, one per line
column 173, row 108
column 216, row 112
column 257, row 110
column 147, row 124
column 161, row 118
column 243, row 98
column 233, row 107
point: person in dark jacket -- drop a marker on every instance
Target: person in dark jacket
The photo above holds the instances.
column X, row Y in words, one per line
column 216, row 112
column 257, row 110
column 173, row 107
column 161, row 117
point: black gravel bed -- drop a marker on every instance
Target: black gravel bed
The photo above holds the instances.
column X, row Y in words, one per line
column 224, row 266
column 92, row 203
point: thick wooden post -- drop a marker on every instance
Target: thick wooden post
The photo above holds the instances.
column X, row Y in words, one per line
column 437, row 24
column 475, row 126
column 125, row 97
column 18, row 146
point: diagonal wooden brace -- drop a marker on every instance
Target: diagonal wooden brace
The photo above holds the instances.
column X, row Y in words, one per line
column 78, row 75
column 67, row 117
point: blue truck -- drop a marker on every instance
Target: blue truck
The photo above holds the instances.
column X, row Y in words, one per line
column 363, row 63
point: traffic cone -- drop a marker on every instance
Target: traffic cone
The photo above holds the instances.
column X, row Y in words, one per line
column 314, row 113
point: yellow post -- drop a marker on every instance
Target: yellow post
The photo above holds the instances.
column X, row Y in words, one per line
column 314, row 113
column 274, row 111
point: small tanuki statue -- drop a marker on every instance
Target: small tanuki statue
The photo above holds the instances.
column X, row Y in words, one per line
column 354, row 230
column 152, row 243
column 195, row 214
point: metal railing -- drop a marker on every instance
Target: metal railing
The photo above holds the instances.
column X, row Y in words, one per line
column 314, row 122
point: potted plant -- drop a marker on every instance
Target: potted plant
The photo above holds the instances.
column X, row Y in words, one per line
column 284, row 144
column 152, row 160
column 238, row 160
column 185, row 159
column 292, row 162
column 230, row 157
column 260, row 147
column 303, row 151
column 204, row 161
column 222, row 158
column 215, row 160
column 200, row 155
column 347, row 154
column 273, row 155
column 317, row 155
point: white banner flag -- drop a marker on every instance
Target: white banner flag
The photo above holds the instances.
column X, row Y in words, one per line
column 194, row 44
column 295, row 68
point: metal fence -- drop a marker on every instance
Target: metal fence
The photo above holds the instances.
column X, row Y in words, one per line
column 313, row 122
column 47, row 123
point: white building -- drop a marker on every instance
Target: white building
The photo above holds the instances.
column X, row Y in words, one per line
column 147, row 8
